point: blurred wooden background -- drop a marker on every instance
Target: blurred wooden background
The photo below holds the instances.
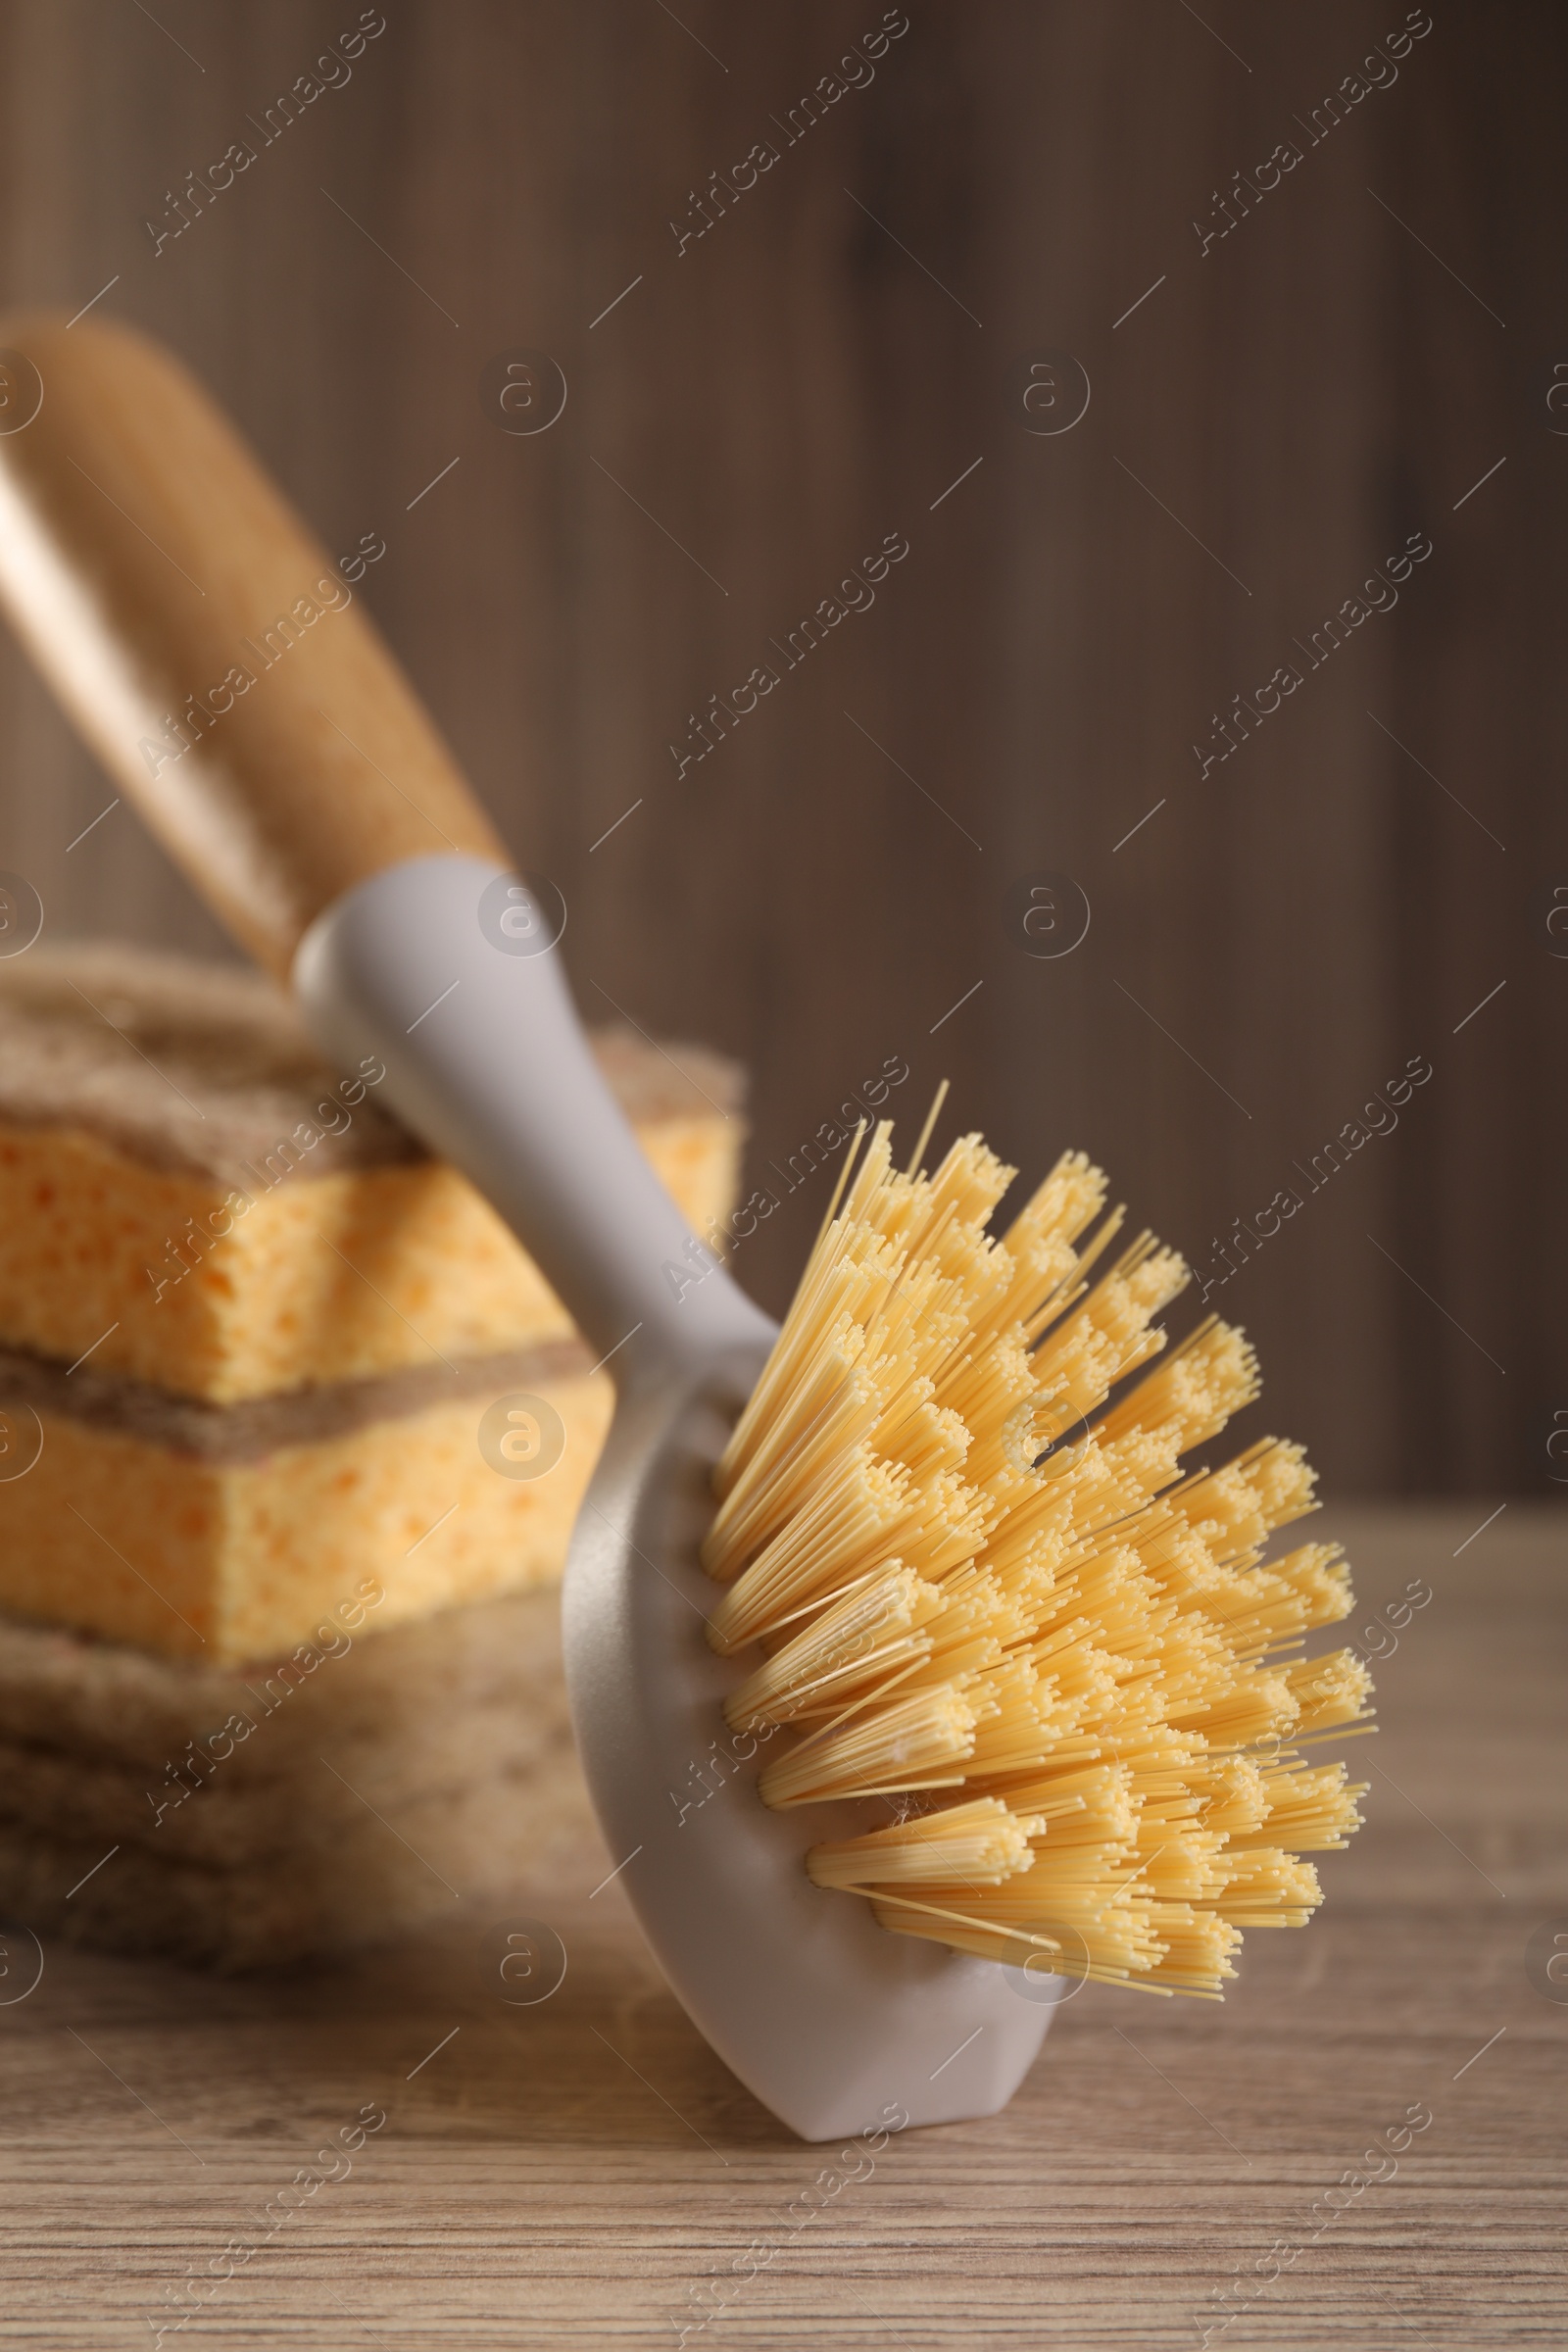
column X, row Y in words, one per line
column 850, row 338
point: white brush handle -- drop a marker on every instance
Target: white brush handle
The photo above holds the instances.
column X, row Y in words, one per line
column 487, row 1063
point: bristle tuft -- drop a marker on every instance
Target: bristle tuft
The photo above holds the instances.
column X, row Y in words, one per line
column 1050, row 1664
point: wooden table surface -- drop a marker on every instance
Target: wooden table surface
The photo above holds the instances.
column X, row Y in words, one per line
column 576, row 2172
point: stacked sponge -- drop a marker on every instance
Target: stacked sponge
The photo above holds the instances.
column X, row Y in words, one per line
column 273, row 1383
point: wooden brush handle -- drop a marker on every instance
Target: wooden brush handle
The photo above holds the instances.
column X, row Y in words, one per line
column 220, row 662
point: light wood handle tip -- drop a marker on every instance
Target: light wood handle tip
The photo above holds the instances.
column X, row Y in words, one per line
column 219, row 661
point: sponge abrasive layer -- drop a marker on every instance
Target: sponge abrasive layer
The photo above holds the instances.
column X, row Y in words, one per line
column 254, row 1820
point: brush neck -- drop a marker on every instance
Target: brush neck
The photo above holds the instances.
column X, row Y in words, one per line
column 449, row 972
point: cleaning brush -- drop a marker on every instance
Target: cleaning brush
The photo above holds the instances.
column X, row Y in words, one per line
column 970, row 1664
column 1053, row 1668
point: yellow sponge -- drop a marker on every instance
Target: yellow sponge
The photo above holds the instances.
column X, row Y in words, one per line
column 188, row 1194
column 222, row 1561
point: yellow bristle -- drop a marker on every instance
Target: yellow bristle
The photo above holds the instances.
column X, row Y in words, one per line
column 1071, row 1291
column 907, row 1916
column 1329, row 1690
column 1234, row 1796
column 1254, row 1706
column 957, row 1513
column 997, row 1393
column 1061, row 1208
column 1025, row 1564
column 1207, row 1380
column 843, row 1534
column 924, row 1437
column 840, row 1406
column 1093, row 1806
column 1233, row 1509
column 1310, row 1807
column 973, row 1175
column 875, row 1629
column 1196, row 1949
column 978, row 1843
column 1319, row 1581
column 850, row 1521
column 1267, row 1887
column 914, row 1743
column 1097, row 1924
